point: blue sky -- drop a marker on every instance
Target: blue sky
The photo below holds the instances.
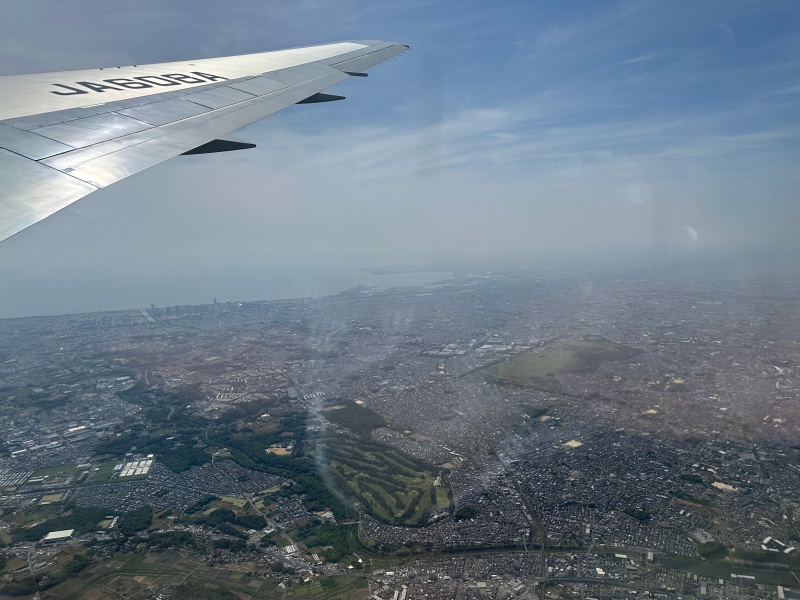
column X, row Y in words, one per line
column 524, row 131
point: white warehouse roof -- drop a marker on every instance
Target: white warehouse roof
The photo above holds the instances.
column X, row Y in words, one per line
column 55, row 536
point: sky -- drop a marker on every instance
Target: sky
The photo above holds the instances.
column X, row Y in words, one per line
column 524, row 133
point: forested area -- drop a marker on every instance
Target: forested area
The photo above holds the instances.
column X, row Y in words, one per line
column 179, row 453
column 81, row 519
column 176, row 442
column 248, row 451
column 315, row 534
column 200, row 504
column 361, row 420
column 85, row 520
column 171, row 539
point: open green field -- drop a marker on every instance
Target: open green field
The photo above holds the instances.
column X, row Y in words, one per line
column 50, row 471
column 392, row 486
column 105, row 470
column 537, row 368
column 232, row 500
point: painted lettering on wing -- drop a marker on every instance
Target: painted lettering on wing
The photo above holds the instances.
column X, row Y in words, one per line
column 134, row 83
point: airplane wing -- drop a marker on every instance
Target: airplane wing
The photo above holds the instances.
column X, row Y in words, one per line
column 65, row 135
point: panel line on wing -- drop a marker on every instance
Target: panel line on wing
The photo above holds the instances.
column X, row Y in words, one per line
column 289, row 95
column 91, row 130
column 97, row 150
column 30, row 145
column 220, row 97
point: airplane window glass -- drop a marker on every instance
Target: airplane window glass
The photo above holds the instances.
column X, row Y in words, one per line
column 399, row 300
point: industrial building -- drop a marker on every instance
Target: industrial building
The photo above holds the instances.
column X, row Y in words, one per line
column 58, row 536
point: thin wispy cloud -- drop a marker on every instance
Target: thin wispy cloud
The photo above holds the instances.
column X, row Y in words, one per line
column 527, row 130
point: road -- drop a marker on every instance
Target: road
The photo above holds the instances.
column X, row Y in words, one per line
column 534, row 522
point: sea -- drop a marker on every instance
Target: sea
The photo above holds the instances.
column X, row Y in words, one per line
column 43, row 293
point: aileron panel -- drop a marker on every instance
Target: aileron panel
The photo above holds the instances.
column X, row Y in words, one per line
column 29, row 144
column 166, row 111
column 219, row 97
column 258, row 85
column 32, row 192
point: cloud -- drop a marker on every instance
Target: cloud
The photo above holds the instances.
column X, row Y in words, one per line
column 504, row 133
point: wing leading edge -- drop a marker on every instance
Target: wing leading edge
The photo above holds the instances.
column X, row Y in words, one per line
column 65, row 135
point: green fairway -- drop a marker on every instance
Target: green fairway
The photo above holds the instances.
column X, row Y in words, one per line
column 393, row 486
column 537, row 368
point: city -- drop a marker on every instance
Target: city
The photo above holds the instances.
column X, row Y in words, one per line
column 608, row 435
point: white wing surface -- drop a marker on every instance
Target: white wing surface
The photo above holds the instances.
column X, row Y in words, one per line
column 65, row 135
